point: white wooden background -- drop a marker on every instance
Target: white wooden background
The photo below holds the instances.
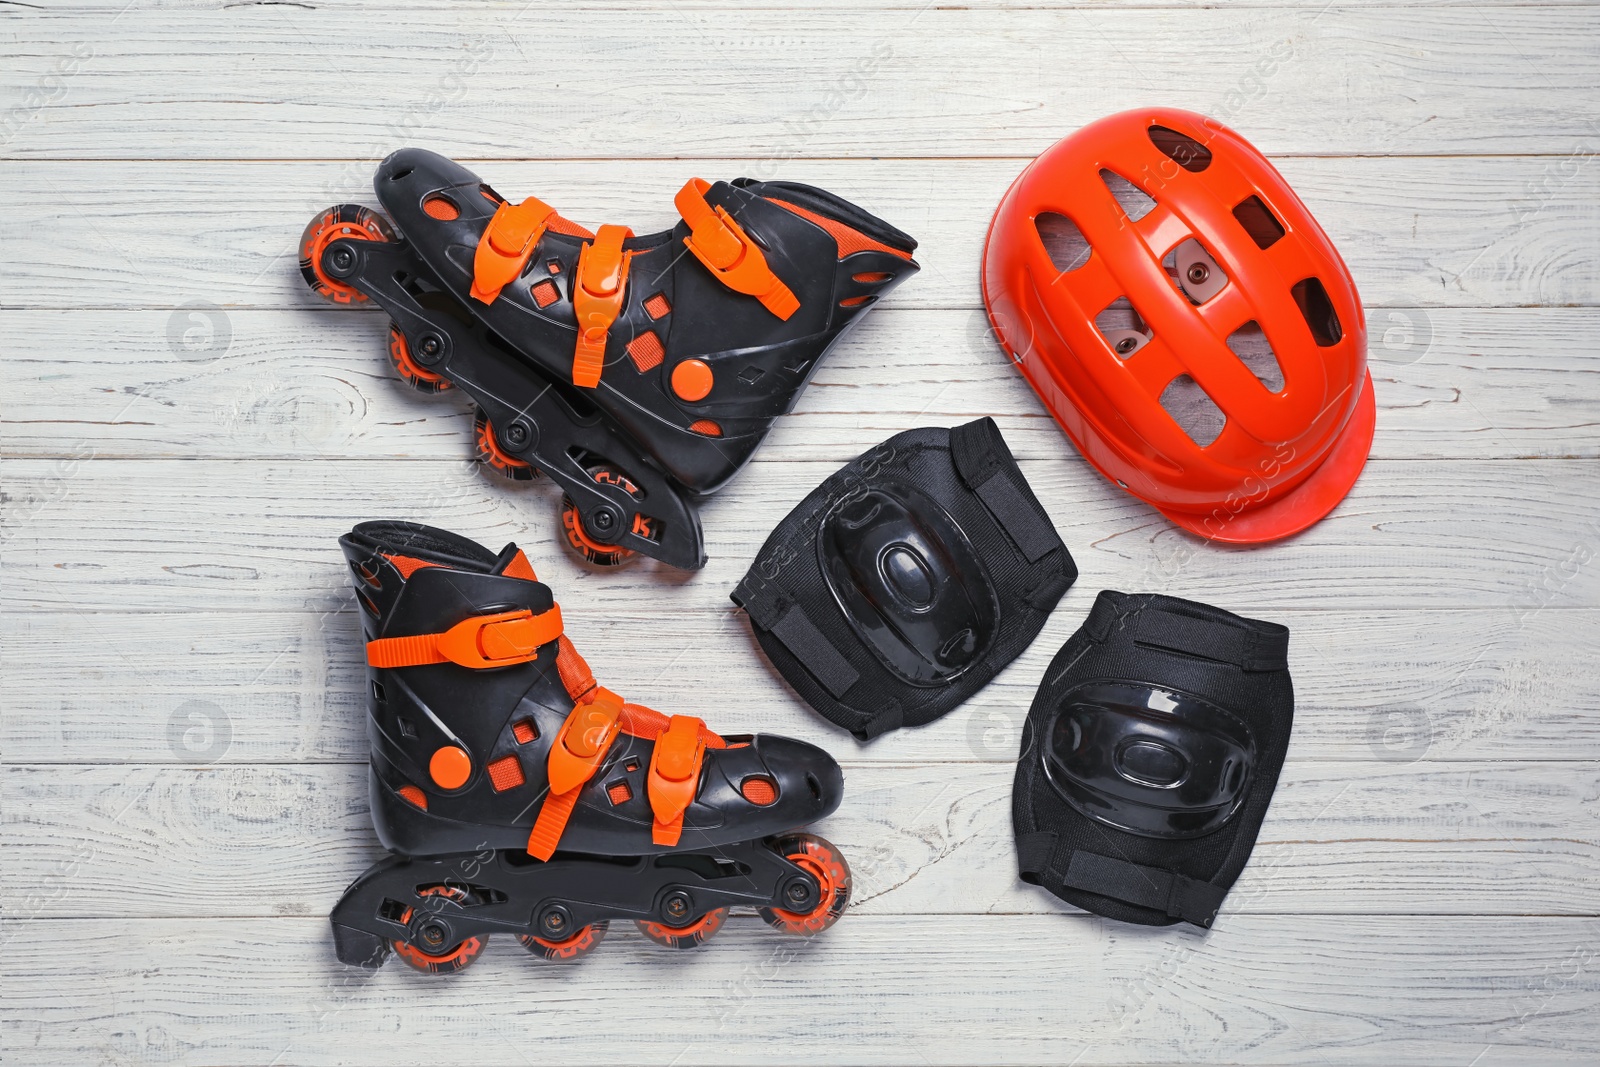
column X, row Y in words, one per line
column 187, row 431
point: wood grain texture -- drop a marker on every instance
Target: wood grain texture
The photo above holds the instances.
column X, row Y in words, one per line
column 1458, row 232
column 1498, row 838
column 185, row 431
column 934, row 81
column 259, row 535
column 1500, row 383
column 1258, row 989
column 1396, row 685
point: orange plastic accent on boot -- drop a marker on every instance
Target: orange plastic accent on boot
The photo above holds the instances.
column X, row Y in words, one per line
column 519, row 567
column 406, row 565
column 692, row 380
column 506, row 244
column 849, row 239
column 675, row 776
column 450, row 767
column 479, row 642
column 574, row 670
column 728, row 252
column 597, row 290
column 575, row 754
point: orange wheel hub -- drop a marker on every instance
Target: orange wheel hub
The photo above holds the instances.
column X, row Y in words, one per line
column 344, row 220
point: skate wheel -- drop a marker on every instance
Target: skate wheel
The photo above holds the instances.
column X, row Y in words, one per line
column 589, row 548
column 575, row 947
column 822, row 860
column 689, row 936
column 411, row 372
column 344, row 220
column 492, row 455
column 449, row 961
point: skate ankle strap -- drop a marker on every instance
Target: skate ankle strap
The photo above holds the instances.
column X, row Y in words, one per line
column 675, row 776
column 597, row 289
column 576, row 753
column 479, row 642
column 729, row 253
column 506, row 244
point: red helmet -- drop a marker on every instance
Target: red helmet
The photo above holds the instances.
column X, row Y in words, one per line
column 1186, row 321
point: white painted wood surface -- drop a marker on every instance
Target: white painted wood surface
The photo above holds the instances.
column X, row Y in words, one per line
column 186, row 432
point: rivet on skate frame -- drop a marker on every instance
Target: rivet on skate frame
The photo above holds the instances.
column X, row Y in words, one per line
column 430, row 349
column 800, row 894
column 555, row 922
column 433, row 935
column 676, row 907
column 341, row 263
column 517, row 434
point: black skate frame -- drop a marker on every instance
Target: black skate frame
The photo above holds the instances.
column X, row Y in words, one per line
column 508, row 891
column 554, row 430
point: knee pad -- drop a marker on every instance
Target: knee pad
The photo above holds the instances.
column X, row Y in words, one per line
column 1149, row 757
column 906, row 581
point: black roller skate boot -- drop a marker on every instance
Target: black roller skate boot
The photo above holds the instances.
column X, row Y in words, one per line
column 638, row 372
column 520, row 797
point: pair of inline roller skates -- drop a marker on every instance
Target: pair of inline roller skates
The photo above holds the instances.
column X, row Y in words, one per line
column 516, row 794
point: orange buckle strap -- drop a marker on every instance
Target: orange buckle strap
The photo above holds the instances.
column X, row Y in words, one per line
column 675, row 776
column 575, row 754
column 506, row 244
column 728, row 252
column 597, row 289
column 480, row 642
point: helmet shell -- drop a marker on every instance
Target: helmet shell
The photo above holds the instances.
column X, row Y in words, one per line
column 1285, row 456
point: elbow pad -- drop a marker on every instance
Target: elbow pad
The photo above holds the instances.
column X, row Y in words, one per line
column 1149, row 757
column 906, row 581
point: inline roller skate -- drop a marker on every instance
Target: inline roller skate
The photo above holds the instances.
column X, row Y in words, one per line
column 637, row 372
column 518, row 796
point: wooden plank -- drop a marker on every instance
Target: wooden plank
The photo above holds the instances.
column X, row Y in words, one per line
column 1496, row 838
column 1444, row 231
column 1394, row 686
column 259, row 535
column 993, row 989
column 929, row 81
column 1452, row 383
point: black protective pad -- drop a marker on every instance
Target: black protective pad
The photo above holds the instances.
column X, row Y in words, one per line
column 906, row 581
column 1204, row 754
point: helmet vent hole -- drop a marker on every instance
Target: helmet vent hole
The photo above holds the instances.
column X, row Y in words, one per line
column 1318, row 312
column 1194, row 271
column 1134, row 201
column 1182, row 149
column 1193, row 410
column 1063, row 242
column 1259, row 222
column 1250, row 344
column 1122, row 328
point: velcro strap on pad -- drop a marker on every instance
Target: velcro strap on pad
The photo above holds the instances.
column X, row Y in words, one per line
column 1173, row 894
column 814, row 651
column 981, row 458
column 1249, row 650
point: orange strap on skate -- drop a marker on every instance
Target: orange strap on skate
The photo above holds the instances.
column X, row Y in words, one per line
column 675, row 776
column 729, row 253
column 597, row 289
column 575, row 754
column 481, row 642
column 506, row 244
